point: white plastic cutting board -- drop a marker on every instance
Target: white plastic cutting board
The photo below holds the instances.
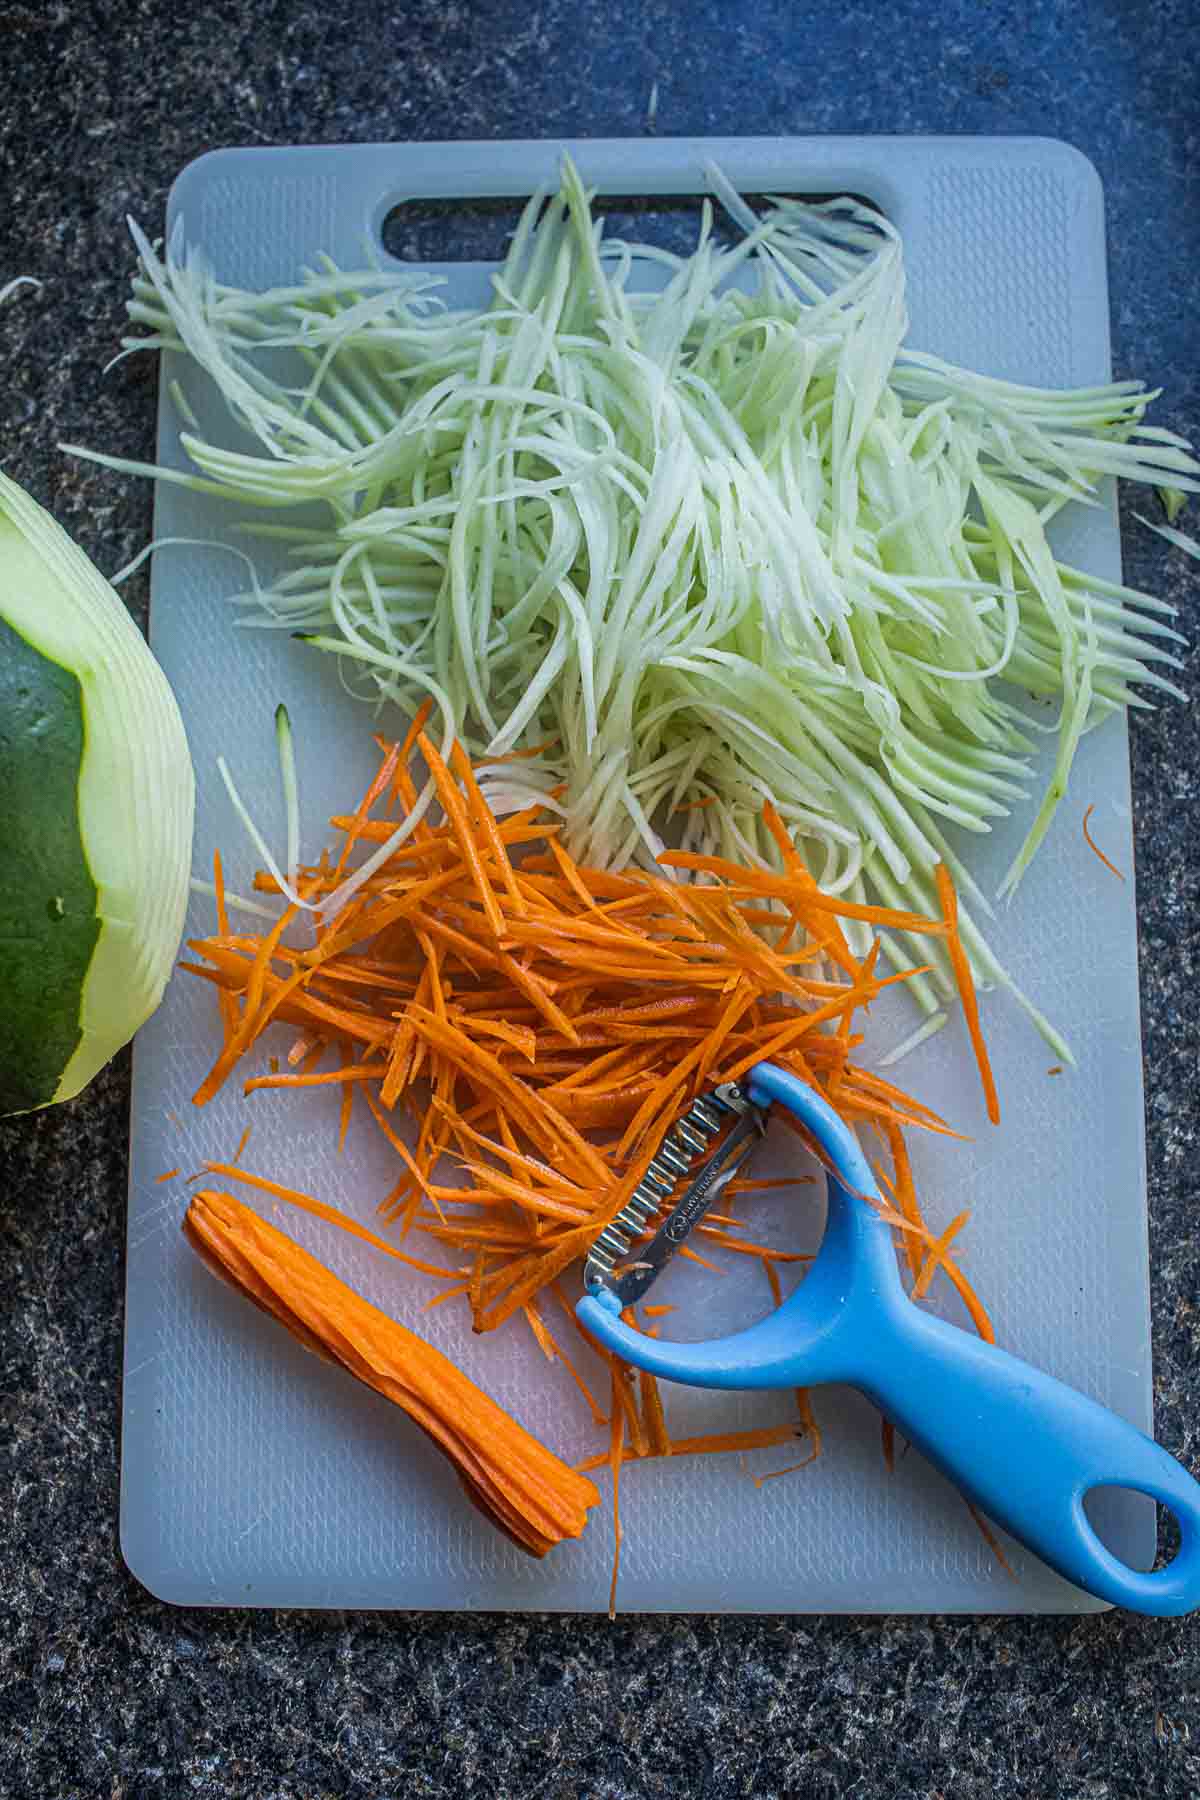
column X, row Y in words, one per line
column 253, row 1474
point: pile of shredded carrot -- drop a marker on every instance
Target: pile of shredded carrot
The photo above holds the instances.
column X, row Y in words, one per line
column 544, row 1024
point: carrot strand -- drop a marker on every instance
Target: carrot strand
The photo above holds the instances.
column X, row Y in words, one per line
column 966, row 988
column 1095, row 848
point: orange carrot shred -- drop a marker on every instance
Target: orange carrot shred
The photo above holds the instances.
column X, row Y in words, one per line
column 545, row 1341
column 653, row 1415
column 378, row 786
column 717, row 1443
column 966, row 988
column 935, row 1255
column 456, row 812
column 419, row 721
column 990, row 1539
column 523, row 1030
column 1095, row 848
column 598, row 1417
column 343, row 1077
column 485, row 818
column 905, row 1193
column 318, row 1208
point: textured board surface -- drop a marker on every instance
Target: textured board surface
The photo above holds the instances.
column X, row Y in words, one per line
column 253, row 1474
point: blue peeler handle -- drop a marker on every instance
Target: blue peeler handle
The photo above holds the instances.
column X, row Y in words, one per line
column 1022, row 1446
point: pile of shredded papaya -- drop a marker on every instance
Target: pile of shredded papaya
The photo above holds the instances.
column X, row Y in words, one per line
column 523, row 1030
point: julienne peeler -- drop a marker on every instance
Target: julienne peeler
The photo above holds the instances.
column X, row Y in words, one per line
column 1020, row 1445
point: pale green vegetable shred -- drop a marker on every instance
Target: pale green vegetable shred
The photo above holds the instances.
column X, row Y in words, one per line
column 697, row 531
column 1180, row 539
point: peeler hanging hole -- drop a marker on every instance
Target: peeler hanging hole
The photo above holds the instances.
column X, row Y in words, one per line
column 1107, row 1507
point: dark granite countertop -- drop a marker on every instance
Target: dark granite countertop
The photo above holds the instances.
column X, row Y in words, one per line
column 104, row 1691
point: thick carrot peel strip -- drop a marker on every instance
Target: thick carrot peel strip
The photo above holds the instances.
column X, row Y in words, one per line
column 525, row 1489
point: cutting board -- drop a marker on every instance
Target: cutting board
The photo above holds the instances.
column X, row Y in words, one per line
column 254, row 1475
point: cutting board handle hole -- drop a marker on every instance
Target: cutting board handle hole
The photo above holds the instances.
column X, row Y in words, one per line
column 479, row 230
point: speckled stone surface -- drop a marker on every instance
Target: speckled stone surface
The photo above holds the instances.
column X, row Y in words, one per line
column 103, row 1691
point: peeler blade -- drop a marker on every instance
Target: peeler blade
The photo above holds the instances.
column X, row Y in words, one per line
column 702, row 1123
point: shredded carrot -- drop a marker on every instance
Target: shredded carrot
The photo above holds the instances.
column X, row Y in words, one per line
column 805, row 1462
column 450, row 1293
column 648, row 1434
column 639, row 1442
column 319, row 1210
column 545, row 1022
column 486, row 821
column 808, row 1420
column 419, row 721
column 1095, row 848
column 598, row 1417
column 718, row 1443
column 348, row 1101
column 545, row 1341
column 377, row 787
column 966, row 988
column 772, row 1276
column 555, row 1001
column 167, row 1175
column 329, row 1078
column 990, row 1539
column 653, row 1415
column 905, row 1193
column 456, row 813
column 499, row 759
column 935, row 1256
